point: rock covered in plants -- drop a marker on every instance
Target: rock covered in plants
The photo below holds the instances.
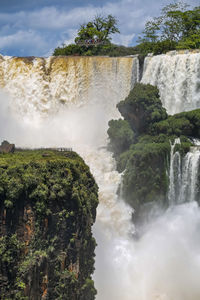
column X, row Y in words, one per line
column 142, row 107
column 144, row 154
column 47, row 207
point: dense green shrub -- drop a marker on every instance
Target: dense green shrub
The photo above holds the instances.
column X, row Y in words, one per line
column 96, row 50
column 142, row 107
column 145, row 178
column 185, row 123
column 121, row 135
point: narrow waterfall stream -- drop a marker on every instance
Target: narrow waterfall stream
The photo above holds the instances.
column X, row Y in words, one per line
column 68, row 102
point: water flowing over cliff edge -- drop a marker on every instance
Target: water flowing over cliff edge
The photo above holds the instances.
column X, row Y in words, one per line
column 177, row 75
column 68, row 102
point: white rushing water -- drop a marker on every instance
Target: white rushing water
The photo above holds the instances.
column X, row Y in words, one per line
column 177, row 75
column 184, row 175
column 164, row 262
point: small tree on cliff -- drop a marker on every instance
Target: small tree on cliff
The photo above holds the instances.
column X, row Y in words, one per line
column 100, row 28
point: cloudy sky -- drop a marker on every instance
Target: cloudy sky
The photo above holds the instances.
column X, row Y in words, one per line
column 36, row 27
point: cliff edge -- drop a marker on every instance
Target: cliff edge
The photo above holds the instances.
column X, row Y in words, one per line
column 47, row 207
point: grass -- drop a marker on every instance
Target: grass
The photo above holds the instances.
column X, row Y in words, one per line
column 42, row 155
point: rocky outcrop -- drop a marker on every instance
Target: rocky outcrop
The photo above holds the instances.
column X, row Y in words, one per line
column 6, row 147
column 47, row 207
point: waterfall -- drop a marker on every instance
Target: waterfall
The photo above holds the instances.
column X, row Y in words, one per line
column 177, row 76
column 184, row 176
column 174, row 175
column 68, row 101
column 45, row 84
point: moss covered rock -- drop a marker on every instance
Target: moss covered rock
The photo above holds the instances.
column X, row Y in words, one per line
column 47, row 207
column 145, row 157
column 142, row 107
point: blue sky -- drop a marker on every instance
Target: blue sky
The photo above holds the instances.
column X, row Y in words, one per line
column 36, row 27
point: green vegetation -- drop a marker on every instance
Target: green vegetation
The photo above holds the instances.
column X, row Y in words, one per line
column 48, row 203
column 176, row 28
column 145, row 179
column 142, row 107
column 144, row 153
column 99, row 29
column 121, row 135
column 94, row 38
column 97, row 50
column 185, row 123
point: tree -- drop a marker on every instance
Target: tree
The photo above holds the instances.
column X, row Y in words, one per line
column 100, row 28
column 176, row 27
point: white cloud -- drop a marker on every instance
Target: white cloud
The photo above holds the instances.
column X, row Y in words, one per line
column 24, row 40
column 123, row 39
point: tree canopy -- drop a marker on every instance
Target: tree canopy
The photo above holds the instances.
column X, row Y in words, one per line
column 94, row 38
column 176, row 28
column 100, row 28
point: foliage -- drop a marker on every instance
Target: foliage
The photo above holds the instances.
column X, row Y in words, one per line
column 156, row 48
column 100, row 28
column 142, row 107
column 107, row 49
column 71, row 49
column 185, row 123
column 49, row 203
column 145, row 179
column 121, row 135
column 145, row 158
column 176, row 28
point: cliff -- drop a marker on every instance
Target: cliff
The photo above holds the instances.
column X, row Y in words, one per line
column 48, row 204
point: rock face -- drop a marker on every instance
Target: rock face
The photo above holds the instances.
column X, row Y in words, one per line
column 6, row 147
column 47, row 207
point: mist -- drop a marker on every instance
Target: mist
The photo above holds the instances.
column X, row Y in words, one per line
column 163, row 264
column 67, row 127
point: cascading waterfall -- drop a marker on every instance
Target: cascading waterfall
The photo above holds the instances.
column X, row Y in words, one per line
column 184, row 175
column 174, row 174
column 39, row 84
column 68, row 102
column 177, row 75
